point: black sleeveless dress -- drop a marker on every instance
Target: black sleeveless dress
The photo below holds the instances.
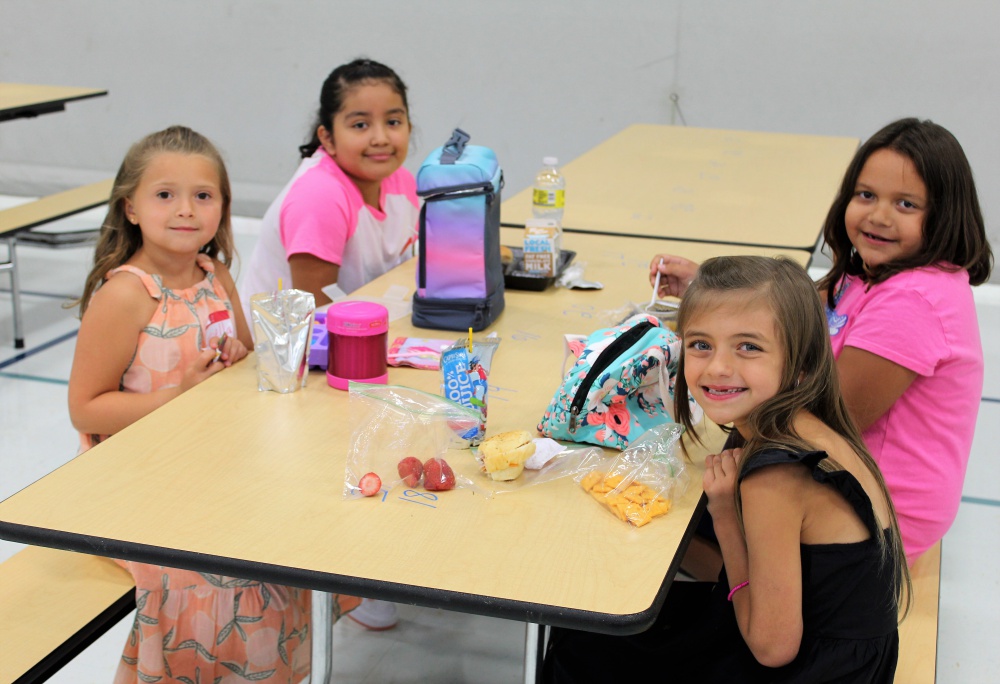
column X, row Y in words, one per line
column 848, row 608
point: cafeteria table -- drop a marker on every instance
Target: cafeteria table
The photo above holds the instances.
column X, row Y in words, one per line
column 25, row 100
column 250, row 483
column 700, row 184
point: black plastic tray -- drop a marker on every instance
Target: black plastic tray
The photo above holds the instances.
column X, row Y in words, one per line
column 516, row 279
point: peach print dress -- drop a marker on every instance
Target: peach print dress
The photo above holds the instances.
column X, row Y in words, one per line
column 195, row 627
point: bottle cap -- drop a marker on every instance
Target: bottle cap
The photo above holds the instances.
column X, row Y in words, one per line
column 217, row 316
column 550, row 161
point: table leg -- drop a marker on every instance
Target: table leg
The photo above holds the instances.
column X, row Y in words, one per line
column 15, row 290
column 534, row 651
column 322, row 638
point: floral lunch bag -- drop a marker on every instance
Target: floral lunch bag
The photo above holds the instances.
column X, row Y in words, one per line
column 620, row 386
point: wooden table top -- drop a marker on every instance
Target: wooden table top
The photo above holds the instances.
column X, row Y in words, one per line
column 230, row 480
column 767, row 189
column 19, row 100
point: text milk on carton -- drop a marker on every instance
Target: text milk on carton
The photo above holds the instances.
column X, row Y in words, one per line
column 542, row 246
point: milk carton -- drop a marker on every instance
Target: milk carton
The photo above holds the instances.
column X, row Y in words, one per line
column 542, row 246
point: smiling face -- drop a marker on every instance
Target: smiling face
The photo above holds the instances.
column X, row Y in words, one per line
column 178, row 203
column 370, row 136
column 733, row 358
column 885, row 217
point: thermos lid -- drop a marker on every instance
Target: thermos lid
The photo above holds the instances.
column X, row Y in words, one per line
column 357, row 319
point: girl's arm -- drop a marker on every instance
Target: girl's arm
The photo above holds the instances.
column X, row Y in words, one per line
column 312, row 274
column 870, row 384
column 769, row 610
column 243, row 344
column 105, row 347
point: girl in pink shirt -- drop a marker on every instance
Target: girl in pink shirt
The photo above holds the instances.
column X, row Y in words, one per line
column 349, row 214
column 907, row 241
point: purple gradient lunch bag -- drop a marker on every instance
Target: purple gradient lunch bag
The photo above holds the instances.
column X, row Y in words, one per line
column 459, row 275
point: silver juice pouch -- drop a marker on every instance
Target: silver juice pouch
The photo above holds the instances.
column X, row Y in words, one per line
column 282, row 327
column 466, row 374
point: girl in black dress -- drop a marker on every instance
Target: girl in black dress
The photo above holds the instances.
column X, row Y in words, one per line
column 814, row 571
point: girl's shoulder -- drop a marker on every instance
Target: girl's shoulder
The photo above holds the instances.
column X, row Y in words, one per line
column 940, row 284
column 126, row 293
column 320, row 177
column 130, row 281
column 936, row 275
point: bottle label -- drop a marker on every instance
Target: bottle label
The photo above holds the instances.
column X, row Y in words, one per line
column 550, row 199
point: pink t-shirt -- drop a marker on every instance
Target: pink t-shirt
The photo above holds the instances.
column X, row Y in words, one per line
column 321, row 212
column 924, row 320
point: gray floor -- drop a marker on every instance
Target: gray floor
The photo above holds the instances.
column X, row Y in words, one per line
column 431, row 645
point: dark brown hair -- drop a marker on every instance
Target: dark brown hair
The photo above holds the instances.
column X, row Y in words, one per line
column 954, row 233
column 336, row 87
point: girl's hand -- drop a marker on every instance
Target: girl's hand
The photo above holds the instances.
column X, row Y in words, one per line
column 676, row 273
column 201, row 369
column 232, row 351
column 719, row 481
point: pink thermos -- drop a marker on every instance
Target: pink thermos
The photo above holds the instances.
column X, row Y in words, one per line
column 358, row 340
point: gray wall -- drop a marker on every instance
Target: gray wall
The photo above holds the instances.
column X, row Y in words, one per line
column 526, row 77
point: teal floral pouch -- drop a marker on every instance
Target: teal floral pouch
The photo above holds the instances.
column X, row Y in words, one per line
column 620, row 386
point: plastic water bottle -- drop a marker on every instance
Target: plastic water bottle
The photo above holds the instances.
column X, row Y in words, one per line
column 549, row 191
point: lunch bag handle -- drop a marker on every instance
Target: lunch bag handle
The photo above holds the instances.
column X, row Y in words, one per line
column 453, row 149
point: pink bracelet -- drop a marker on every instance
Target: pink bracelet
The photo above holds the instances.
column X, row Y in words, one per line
column 736, row 589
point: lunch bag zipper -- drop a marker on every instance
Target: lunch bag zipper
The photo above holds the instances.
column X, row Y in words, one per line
column 603, row 360
column 480, row 188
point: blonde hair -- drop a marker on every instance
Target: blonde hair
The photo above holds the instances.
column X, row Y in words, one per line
column 809, row 379
column 119, row 239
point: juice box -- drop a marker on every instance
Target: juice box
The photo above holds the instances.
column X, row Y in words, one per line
column 542, row 246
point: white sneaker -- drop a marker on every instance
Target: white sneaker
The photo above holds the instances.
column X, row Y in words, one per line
column 375, row 615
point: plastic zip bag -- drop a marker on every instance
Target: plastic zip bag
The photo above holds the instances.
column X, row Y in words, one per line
column 553, row 461
column 394, row 422
column 642, row 482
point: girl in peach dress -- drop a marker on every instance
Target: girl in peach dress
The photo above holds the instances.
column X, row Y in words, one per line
column 160, row 314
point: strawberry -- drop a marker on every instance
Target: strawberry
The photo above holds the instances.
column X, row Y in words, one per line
column 410, row 470
column 438, row 475
column 369, row 484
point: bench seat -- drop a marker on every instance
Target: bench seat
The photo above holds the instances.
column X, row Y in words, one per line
column 18, row 224
column 53, row 604
column 918, row 633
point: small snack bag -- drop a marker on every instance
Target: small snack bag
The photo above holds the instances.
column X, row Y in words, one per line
column 282, row 329
column 418, row 352
column 643, row 480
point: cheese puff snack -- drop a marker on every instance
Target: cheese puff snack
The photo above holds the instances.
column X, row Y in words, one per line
column 642, row 481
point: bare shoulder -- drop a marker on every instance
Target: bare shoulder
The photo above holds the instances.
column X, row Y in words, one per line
column 122, row 297
column 773, row 478
column 120, row 289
